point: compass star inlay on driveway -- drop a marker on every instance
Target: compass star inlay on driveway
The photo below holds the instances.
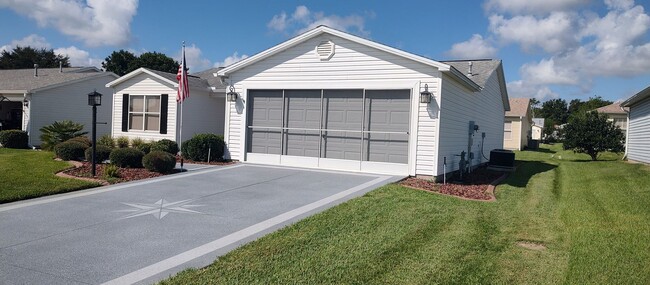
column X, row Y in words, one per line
column 160, row 209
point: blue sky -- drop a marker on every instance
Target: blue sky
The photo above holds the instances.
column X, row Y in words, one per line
column 550, row 48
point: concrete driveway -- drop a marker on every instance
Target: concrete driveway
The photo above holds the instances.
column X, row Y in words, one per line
column 144, row 231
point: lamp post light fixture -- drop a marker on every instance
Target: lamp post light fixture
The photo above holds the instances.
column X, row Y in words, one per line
column 425, row 96
column 232, row 95
column 94, row 99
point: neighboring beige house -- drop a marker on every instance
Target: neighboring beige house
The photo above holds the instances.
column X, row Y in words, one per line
column 517, row 125
column 33, row 98
column 616, row 114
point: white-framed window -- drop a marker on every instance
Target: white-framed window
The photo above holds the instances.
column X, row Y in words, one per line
column 507, row 130
column 144, row 112
column 621, row 123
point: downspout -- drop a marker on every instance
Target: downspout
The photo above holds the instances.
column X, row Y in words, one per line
column 27, row 117
column 627, row 130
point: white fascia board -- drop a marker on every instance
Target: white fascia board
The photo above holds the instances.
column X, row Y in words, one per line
column 645, row 93
column 323, row 29
column 138, row 72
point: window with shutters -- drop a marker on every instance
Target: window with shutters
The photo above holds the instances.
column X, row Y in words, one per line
column 144, row 112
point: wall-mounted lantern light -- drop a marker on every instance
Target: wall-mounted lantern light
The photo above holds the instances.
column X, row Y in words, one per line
column 425, row 96
column 232, row 95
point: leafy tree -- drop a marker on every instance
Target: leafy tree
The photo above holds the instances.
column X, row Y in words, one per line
column 119, row 62
column 155, row 61
column 122, row 62
column 592, row 133
column 580, row 107
column 556, row 110
column 26, row 57
column 534, row 106
column 59, row 132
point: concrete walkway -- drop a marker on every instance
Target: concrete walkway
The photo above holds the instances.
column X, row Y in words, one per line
column 144, row 231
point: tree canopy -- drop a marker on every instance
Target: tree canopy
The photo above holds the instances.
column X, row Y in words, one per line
column 122, row 62
column 592, row 133
column 556, row 110
column 26, row 57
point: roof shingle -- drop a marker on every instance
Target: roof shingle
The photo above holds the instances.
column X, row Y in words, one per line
column 24, row 80
column 518, row 107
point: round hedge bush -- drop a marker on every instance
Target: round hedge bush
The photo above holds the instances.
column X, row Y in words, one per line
column 165, row 145
column 102, row 153
column 14, row 139
column 199, row 145
column 126, row 157
column 144, row 147
column 82, row 139
column 159, row 161
column 70, row 150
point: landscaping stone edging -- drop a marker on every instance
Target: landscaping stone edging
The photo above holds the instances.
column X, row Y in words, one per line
column 490, row 190
column 77, row 164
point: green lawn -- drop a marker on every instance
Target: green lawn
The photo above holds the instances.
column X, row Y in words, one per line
column 27, row 174
column 593, row 217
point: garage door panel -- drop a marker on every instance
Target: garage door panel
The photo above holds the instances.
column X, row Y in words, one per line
column 387, row 111
column 302, row 143
column 265, row 110
column 342, row 145
column 302, row 108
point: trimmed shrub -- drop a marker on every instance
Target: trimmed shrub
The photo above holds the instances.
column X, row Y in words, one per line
column 145, row 147
column 126, row 157
column 111, row 171
column 106, row 140
column 102, row 153
column 165, row 145
column 122, row 142
column 70, row 150
column 59, row 132
column 135, row 142
column 199, row 145
column 159, row 161
column 14, row 139
column 82, row 139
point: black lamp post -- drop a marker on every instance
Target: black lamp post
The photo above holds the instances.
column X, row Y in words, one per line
column 94, row 99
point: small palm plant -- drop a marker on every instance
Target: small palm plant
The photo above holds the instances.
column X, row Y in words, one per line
column 59, row 132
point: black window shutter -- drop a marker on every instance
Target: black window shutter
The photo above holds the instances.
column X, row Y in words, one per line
column 125, row 112
column 163, row 113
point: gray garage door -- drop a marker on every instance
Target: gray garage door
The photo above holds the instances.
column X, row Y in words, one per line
column 366, row 125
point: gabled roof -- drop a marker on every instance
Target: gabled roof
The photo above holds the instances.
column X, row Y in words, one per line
column 445, row 68
column 18, row 81
column 538, row 122
column 614, row 108
column 638, row 97
column 214, row 82
column 167, row 77
column 518, row 107
column 482, row 69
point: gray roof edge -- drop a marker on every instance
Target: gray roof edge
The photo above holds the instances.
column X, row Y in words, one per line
column 645, row 93
column 95, row 75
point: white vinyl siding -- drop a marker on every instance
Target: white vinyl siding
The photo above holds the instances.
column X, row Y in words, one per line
column 352, row 66
column 638, row 144
column 458, row 107
column 70, row 102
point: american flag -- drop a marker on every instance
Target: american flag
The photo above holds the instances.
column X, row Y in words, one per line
column 183, row 86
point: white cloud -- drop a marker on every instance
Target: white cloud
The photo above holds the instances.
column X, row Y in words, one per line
column 619, row 27
column 619, row 4
column 79, row 57
column 475, row 47
column 195, row 60
column 33, row 40
column 532, row 6
column 302, row 19
column 235, row 57
column 552, row 33
column 520, row 88
column 95, row 22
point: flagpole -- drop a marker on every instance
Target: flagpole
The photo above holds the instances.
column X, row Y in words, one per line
column 180, row 132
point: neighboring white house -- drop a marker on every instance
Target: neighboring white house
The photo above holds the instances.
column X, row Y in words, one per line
column 327, row 99
column 517, row 125
column 616, row 113
column 145, row 107
column 638, row 130
column 537, row 129
column 33, row 98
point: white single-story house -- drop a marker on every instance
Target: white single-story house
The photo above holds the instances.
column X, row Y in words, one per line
column 537, row 129
column 33, row 98
column 616, row 113
column 638, row 130
column 517, row 126
column 144, row 105
column 331, row 100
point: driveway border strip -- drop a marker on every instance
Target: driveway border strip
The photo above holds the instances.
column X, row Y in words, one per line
column 179, row 259
column 99, row 190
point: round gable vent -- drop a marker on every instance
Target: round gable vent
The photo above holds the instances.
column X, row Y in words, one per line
column 325, row 50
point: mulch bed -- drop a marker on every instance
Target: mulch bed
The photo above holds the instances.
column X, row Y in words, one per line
column 475, row 187
column 216, row 162
column 126, row 174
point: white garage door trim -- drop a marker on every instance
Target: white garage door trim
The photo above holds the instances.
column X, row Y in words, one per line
column 340, row 164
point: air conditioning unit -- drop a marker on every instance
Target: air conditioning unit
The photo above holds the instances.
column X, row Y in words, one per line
column 502, row 158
